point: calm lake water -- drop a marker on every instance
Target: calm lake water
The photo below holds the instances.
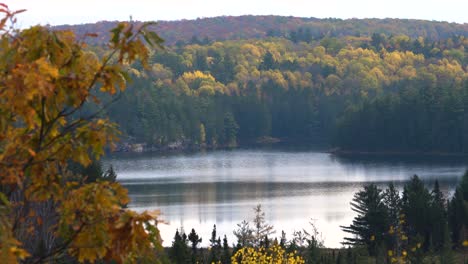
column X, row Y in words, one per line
column 293, row 185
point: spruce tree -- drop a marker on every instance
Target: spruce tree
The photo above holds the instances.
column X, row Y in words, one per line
column 195, row 240
column 457, row 217
column 416, row 207
column 179, row 252
column 392, row 201
column 226, row 257
column 438, row 218
column 215, row 247
column 458, row 212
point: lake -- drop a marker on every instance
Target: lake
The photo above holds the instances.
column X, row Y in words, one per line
column 294, row 186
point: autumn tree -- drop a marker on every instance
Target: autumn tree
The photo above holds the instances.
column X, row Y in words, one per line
column 49, row 214
column 244, row 234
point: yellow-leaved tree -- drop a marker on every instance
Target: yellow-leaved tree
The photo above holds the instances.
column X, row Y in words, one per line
column 47, row 214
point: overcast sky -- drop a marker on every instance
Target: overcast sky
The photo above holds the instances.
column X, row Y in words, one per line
column 56, row 12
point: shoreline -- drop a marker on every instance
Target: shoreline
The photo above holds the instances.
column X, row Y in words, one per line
column 180, row 148
column 266, row 141
column 340, row 152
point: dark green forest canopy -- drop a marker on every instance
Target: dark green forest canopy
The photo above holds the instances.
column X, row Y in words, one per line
column 366, row 85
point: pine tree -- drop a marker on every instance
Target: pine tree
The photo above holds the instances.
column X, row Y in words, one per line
column 371, row 223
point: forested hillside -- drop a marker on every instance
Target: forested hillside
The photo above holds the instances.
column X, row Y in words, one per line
column 295, row 28
column 353, row 87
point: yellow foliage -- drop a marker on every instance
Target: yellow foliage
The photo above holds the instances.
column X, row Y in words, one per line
column 190, row 77
column 202, row 83
column 45, row 79
column 273, row 255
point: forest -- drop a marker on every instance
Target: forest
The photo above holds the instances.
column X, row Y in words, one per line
column 357, row 92
column 59, row 97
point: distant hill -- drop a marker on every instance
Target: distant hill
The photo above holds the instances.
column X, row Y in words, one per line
column 248, row 27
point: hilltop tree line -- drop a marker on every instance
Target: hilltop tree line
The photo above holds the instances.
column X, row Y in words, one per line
column 375, row 93
column 261, row 27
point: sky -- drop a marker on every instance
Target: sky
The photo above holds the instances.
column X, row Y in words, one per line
column 57, row 12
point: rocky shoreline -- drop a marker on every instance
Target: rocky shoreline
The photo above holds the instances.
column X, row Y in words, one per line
column 189, row 146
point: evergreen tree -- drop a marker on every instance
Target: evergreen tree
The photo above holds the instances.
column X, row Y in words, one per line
column 226, row 257
column 194, row 240
column 230, row 130
column 215, row 247
column 371, row 223
column 457, row 218
column 110, row 174
column 179, row 252
column 392, row 201
column 268, row 62
column 447, row 254
column 416, row 206
column 283, row 240
column 265, row 243
column 200, row 62
column 438, row 218
column 458, row 212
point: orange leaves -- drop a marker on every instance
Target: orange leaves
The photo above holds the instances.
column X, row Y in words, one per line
column 132, row 227
column 46, row 79
column 104, row 229
column 9, row 16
